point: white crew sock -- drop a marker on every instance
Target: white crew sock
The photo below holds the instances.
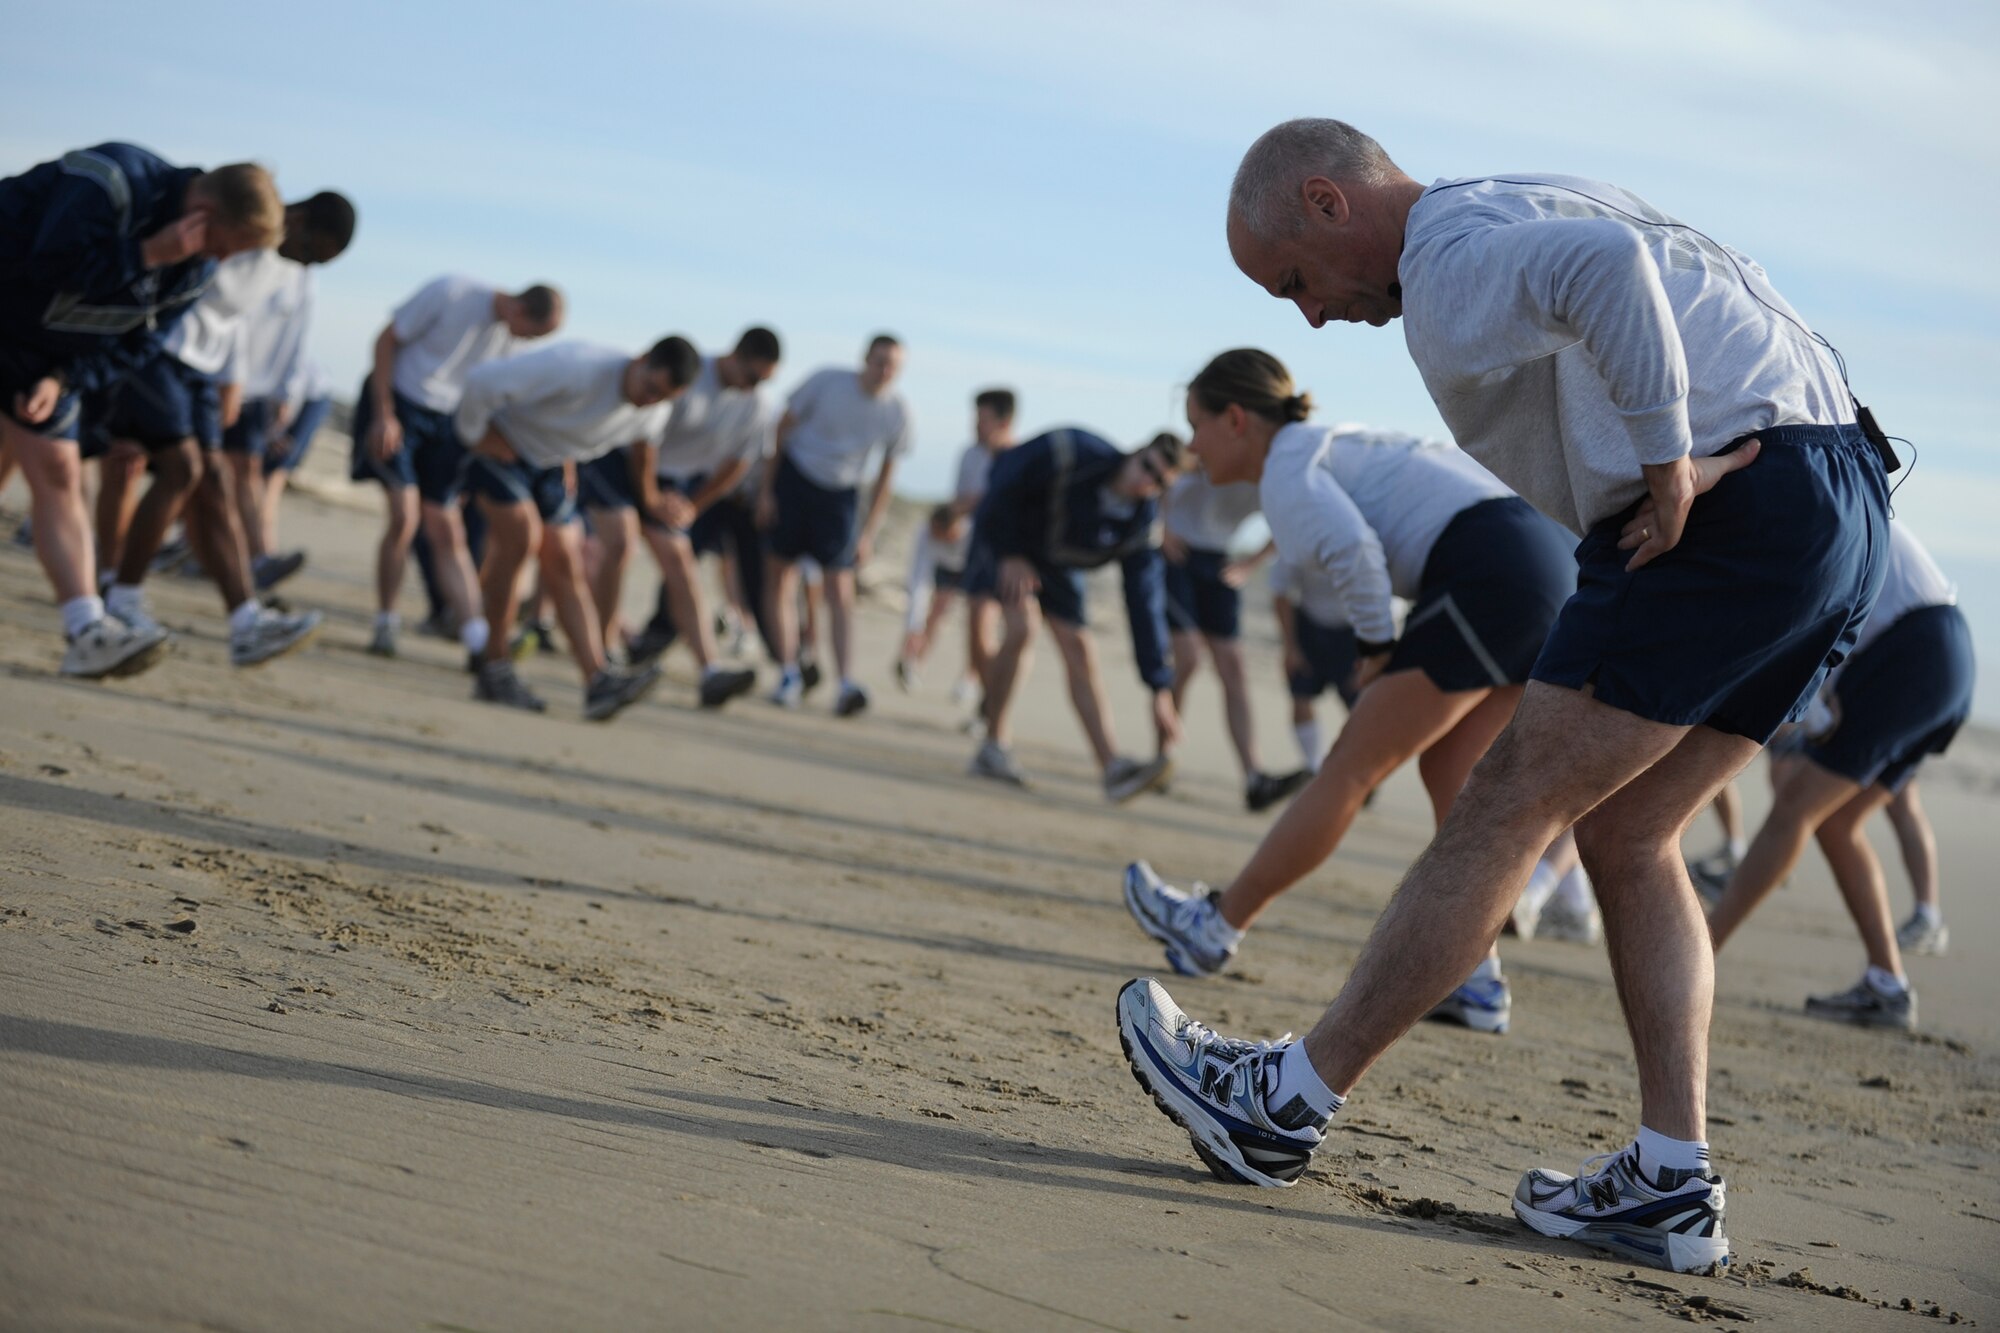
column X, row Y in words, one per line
column 1218, row 930
column 1928, row 914
column 1884, row 982
column 80, row 613
column 388, row 620
column 1575, row 891
column 120, row 598
column 1308, row 738
column 1657, row 1151
column 474, row 634
column 1737, row 847
column 244, row 616
column 847, row 686
column 1298, row 1079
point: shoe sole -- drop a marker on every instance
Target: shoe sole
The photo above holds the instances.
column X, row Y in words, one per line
column 130, row 665
column 855, row 709
column 735, row 691
column 1699, row 1256
column 1004, row 779
column 1859, row 1021
column 1222, row 1159
column 611, row 708
column 1495, row 1026
column 1176, row 959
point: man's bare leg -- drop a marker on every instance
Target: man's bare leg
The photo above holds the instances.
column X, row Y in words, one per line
column 513, row 530
column 1229, row 669
column 392, row 555
column 1806, row 796
column 463, row 586
column 1918, row 842
column 563, row 584
column 680, row 579
column 782, row 605
column 247, row 475
column 56, row 511
column 176, row 474
column 1086, row 688
column 1858, row 872
column 979, row 645
column 119, row 497
column 1008, row 667
column 216, row 532
column 840, row 610
column 1186, row 648
column 615, row 532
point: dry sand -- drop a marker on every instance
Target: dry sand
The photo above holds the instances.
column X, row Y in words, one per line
column 331, row 999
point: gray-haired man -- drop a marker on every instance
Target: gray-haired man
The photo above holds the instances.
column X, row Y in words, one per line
column 1649, row 389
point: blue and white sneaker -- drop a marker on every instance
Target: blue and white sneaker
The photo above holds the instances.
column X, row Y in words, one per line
column 1483, row 1004
column 1199, row 942
column 1213, row 1087
column 1672, row 1222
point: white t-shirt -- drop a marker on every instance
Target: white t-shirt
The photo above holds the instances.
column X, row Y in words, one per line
column 1570, row 332
column 837, row 427
column 975, row 465
column 1205, row 515
column 712, row 426
column 274, row 338
column 558, row 403
column 210, row 337
column 443, row 331
column 1913, row 581
column 1364, row 507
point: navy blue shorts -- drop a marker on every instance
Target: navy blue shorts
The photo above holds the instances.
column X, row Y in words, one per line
column 728, row 524
column 252, row 432
column 1330, row 653
column 1061, row 595
column 519, row 483
column 605, row 482
column 432, row 458
column 20, row 370
column 1492, row 586
column 1736, row 627
column 156, row 407
column 1902, row 699
column 304, row 426
column 812, row 520
column 946, row 579
column 1198, row 599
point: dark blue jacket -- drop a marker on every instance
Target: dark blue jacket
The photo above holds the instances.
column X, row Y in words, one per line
column 1045, row 500
column 74, row 294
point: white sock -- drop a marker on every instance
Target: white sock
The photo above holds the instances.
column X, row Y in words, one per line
column 1218, row 930
column 122, row 597
column 1575, row 891
column 1657, row 1151
column 848, row 686
column 1298, row 1080
column 244, row 616
column 1542, row 882
column 1488, row 969
column 1884, row 982
column 80, row 613
column 1929, row 914
column 709, row 670
column 1735, row 848
column 474, row 634
column 388, row 620
column 1308, row 737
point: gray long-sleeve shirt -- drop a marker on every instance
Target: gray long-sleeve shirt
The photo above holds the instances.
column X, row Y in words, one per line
column 1570, row 332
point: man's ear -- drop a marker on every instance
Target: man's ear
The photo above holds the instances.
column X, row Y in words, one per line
column 1325, row 199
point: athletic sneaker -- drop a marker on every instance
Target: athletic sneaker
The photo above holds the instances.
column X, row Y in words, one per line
column 1213, row 1087
column 722, row 684
column 171, row 556
column 994, row 760
column 615, row 688
column 647, row 646
column 906, row 675
column 809, row 674
column 438, row 625
column 1266, row 790
column 1199, row 942
column 110, row 647
column 382, row 643
column 1483, row 1004
column 787, row 692
column 1125, row 778
column 271, row 634
column 1918, row 935
column 852, row 702
column 1560, row 920
column 268, row 571
column 1711, row 875
column 1864, row 1006
column 498, row 683
column 964, row 692
column 135, row 612
column 1672, row 1221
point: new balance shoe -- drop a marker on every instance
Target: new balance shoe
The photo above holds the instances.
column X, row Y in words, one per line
column 721, row 684
column 1214, row 1087
column 271, row 634
column 497, row 683
column 996, row 761
column 1926, row 935
column 1484, row 1004
column 787, row 692
column 853, row 701
column 809, row 674
column 268, row 571
column 1866, row 1007
column 1126, row 778
column 382, row 643
column 1561, row 920
column 648, row 645
column 110, row 647
column 1671, row 1221
column 1199, row 942
column 1711, row 875
column 617, row 688
column 1266, row 790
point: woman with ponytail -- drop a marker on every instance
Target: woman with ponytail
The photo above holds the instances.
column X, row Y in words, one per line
column 1379, row 515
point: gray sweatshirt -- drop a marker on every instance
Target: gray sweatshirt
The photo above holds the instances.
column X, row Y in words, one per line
column 1570, row 332
column 557, row 403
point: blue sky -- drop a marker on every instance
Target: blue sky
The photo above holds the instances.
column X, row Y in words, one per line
column 1032, row 193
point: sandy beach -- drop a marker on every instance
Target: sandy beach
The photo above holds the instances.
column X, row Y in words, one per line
column 330, row 999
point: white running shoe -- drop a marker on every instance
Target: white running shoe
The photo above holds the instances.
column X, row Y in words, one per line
column 1673, row 1221
column 1126, row 778
column 1199, row 942
column 110, row 647
column 1213, row 1087
column 1865, row 1007
column 1484, row 1004
column 788, row 692
column 1918, row 935
column 271, row 634
column 1560, row 920
column 996, row 761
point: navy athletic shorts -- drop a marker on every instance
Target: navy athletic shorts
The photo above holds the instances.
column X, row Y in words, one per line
column 303, row 426
column 1492, row 586
column 1330, row 653
column 520, row 483
column 1061, row 595
column 1737, row 626
column 252, row 432
column 1198, row 599
column 813, row 520
column 20, row 370
column 1902, row 699
column 156, row 407
column 432, row 458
